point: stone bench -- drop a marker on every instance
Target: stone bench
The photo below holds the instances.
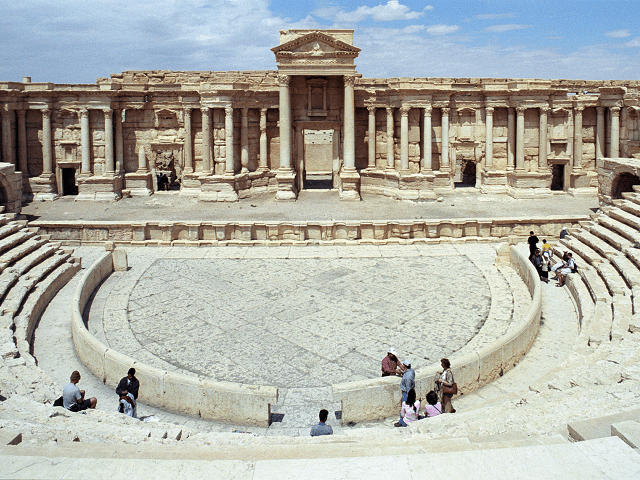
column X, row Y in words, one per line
column 628, row 431
column 599, row 427
column 612, row 238
column 596, row 243
column 622, row 228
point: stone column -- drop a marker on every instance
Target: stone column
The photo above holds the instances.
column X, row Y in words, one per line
column 600, row 140
column 206, row 140
column 615, row 132
column 488, row 157
column 511, row 138
column 108, row 141
column 349, row 124
column 404, row 138
column 47, row 154
column 520, row 139
column 542, row 139
column 390, row 128
column 444, row 161
column 85, row 142
column 229, row 168
column 7, row 141
column 119, row 142
column 263, row 140
column 371, row 163
column 22, row 141
column 244, row 141
column 188, row 142
column 577, row 137
column 426, row 139
column 285, row 122
column 142, row 160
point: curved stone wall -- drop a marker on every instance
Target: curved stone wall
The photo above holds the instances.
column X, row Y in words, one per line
column 378, row 398
column 221, row 401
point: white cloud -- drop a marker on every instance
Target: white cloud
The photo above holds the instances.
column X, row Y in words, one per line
column 619, row 33
column 441, row 29
column 494, row 16
column 505, row 28
column 633, row 43
column 392, row 10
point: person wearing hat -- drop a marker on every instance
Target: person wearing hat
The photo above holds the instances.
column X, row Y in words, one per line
column 390, row 364
column 408, row 379
column 73, row 398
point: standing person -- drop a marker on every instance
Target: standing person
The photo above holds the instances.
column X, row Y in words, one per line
column 446, row 380
column 545, row 267
column 537, row 262
column 408, row 380
column 129, row 384
column 533, row 242
column 433, row 407
column 409, row 410
column 322, row 428
column 546, row 248
column 73, row 398
column 390, row 364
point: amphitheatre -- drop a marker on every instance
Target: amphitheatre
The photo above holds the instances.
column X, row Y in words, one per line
column 311, row 219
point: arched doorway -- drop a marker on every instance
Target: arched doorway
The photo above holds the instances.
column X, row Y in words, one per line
column 623, row 183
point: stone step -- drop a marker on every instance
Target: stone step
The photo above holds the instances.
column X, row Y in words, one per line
column 622, row 316
column 626, row 223
column 20, row 251
column 9, row 228
column 628, row 431
column 612, row 238
column 627, row 269
column 579, row 249
column 613, row 280
column 631, row 197
column 629, row 233
column 599, row 427
column 10, row 437
column 10, row 276
column 10, row 241
column 599, row 328
column 596, row 243
column 630, row 207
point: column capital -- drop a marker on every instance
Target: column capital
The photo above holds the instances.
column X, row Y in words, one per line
column 489, row 110
column 520, row 110
column 371, row 109
column 615, row 109
column 544, row 110
column 205, row 110
column 21, row 113
column 427, row 110
column 84, row 112
column 245, row 111
column 445, row 111
column 284, row 80
column 187, row 111
column 389, row 110
column 108, row 113
column 228, row 112
column 404, row 110
column 578, row 109
column 600, row 110
column 46, row 112
column 263, row 111
column 349, row 80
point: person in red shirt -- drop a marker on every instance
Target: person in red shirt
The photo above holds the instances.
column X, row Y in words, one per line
column 391, row 365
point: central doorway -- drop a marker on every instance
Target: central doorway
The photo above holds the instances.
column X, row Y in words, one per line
column 320, row 162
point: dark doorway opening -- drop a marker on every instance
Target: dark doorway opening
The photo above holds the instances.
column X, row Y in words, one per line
column 467, row 174
column 69, row 186
column 318, row 181
column 557, row 178
column 624, row 183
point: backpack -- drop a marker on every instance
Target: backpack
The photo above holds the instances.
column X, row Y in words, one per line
column 59, row 402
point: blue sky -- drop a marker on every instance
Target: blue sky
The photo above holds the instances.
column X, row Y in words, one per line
column 77, row 41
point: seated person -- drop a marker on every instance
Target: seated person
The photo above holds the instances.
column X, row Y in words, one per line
column 322, row 428
column 560, row 264
column 128, row 405
column 129, row 384
column 433, row 407
column 410, row 409
column 568, row 267
column 73, row 398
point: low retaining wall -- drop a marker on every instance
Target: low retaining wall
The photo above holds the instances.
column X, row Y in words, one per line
column 247, row 233
column 379, row 398
column 221, row 401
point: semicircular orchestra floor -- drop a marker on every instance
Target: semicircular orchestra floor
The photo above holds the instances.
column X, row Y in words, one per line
column 298, row 317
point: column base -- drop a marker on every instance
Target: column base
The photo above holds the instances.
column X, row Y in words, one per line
column 287, row 191
column 350, row 185
column 583, row 183
column 528, row 184
column 106, row 188
column 442, row 182
column 41, row 188
column 139, row 184
column 493, row 181
column 218, row 188
column 190, row 186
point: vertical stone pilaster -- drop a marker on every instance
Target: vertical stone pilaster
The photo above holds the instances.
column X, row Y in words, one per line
column 206, row 140
column 142, row 160
column 488, row 157
column 188, row 142
column 264, row 145
column 108, row 141
column 444, row 162
column 22, row 142
column 542, row 139
column 7, row 141
column 511, row 138
column 349, row 124
column 229, row 168
column 119, row 142
column 600, row 133
column 520, row 139
column 47, row 155
column 390, row 128
column 371, row 160
column 426, row 163
column 615, row 132
column 285, row 122
column 404, row 138
column 85, row 141
column 244, row 141
column 577, row 137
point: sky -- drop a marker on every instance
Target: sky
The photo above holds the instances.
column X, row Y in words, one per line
column 78, row 41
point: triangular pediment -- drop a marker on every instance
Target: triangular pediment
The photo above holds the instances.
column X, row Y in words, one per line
column 317, row 43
